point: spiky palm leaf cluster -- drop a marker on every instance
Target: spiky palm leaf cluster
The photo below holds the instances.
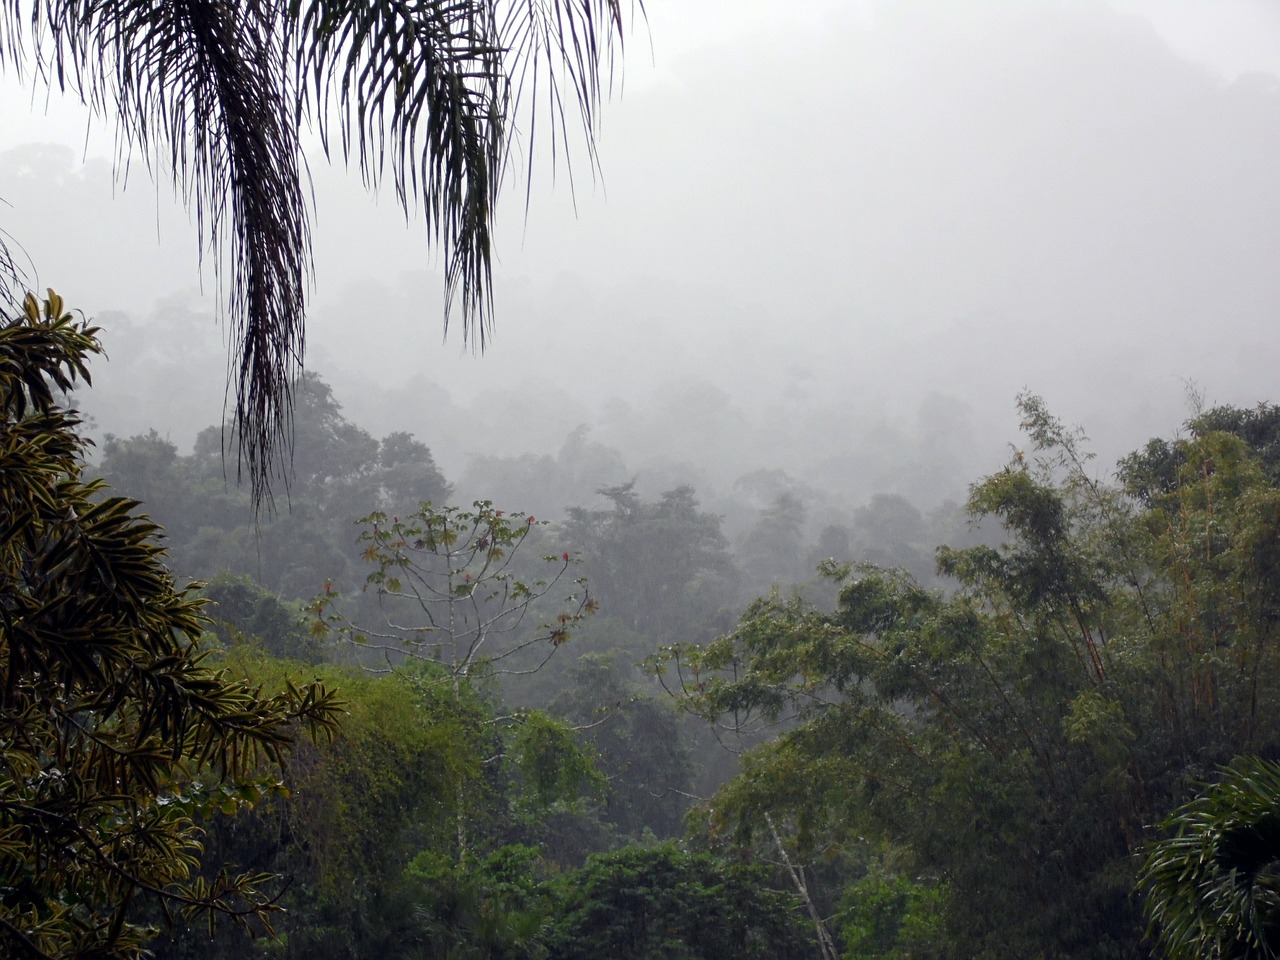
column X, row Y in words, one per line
column 1213, row 885
column 421, row 91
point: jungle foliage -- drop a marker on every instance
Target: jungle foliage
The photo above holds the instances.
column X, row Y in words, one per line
column 970, row 761
column 117, row 735
column 1013, row 742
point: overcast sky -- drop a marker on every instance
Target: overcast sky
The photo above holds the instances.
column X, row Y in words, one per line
column 861, row 207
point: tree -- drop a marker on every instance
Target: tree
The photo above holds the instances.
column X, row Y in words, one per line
column 451, row 597
column 244, row 612
column 771, row 552
column 368, row 830
column 423, row 94
column 1012, row 740
column 1213, row 886
column 661, row 567
column 659, row 902
column 1153, row 470
column 449, row 591
column 889, row 916
column 408, row 473
column 115, row 735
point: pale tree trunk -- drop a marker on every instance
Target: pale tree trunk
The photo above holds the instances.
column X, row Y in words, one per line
column 825, row 944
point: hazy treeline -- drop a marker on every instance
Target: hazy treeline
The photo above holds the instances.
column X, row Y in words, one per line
column 768, row 527
column 664, row 568
column 983, row 198
column 372, row 831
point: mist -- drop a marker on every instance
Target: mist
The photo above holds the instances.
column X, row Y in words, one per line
column 836, row 245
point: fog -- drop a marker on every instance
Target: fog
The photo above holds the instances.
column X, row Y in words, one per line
column 836, row 242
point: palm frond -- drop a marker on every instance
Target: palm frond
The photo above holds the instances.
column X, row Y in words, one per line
column 427, row 92
column 1213, row 884
column 424, row 92
column 203, row 87
column 14, row 279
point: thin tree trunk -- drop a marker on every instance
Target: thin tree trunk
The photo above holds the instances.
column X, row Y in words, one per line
column 825, row 943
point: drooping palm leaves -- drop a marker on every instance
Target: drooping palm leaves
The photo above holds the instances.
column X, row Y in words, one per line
column 423, row 92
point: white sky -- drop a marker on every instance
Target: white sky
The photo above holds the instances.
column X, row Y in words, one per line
column 1231, row 36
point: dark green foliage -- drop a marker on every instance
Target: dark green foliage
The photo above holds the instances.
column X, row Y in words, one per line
column 886, row 916
column 660, row 903
column 356, row 813
column 115, row 734
column 1213, row 886
column 404, row 833
column 638, row 743
column 148, row 466
column 1017, row 737
column 552, row 768
column 638, row 903
column 492, row 909
column 243, row 612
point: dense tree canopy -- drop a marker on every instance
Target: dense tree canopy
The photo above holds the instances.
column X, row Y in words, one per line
column 659, row 903
column 1011, row 742
column 637, row 741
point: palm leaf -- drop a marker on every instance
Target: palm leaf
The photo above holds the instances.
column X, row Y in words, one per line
column 203, row 89
column 423, row 92
column 1213, row 885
